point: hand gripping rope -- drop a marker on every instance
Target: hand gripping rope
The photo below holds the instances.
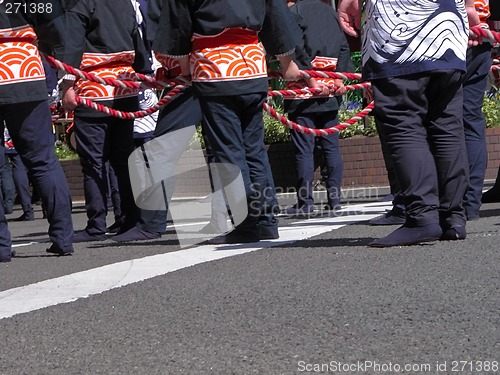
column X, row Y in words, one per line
column 178, row 83
column 490, row 35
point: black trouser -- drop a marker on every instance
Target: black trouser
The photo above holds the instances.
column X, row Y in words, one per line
column 21, row 181
column 420, row 117
column 100, row 139
column 29, row 125
column 235, row 129
column 304, row 157
column 7, row 182
column 475, row 80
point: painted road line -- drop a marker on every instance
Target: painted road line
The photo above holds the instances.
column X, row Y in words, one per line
column 24, row 244
column 83, row 284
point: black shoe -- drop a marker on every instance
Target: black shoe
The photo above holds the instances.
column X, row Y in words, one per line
column 237, row 236
column 135, row 234
column 8, row 211
column 454, row 233
column 390, row 218
column 491, row 196
column 27, row 216
column 84, row 236
column 268, row 232
column 7, row 258
column 55, row 250
column 405, row 236
column 114, row 228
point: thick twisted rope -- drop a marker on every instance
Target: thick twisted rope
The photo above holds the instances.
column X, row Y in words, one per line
column 314, row 92
column 318, row 132
column 321, row 74
column 146, row 81
column 91, row 77
column 131, row 115
column 152, row 82
column 491, row 35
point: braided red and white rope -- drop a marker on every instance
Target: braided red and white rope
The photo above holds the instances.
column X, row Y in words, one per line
column 491, row 35
column 131, row 115
column 318, row 132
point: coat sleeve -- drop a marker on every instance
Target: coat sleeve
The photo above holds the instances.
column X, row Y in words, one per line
column 277, row 33
column 302, row 55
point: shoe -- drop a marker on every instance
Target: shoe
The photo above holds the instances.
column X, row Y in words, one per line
column 305, row 210
column 405, row 236
column 135, row 234
column 268, row 232
column 55, row 250
column 84, row 236
column 7, row 258
column 454, row 233
column 8, row 211
column 491, row 196
column 393, row 217
column 114, row 228
column 236, row 236
column 27, row 216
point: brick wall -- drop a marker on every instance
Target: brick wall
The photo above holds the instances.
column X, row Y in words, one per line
column 74, row 176
column 363, row 167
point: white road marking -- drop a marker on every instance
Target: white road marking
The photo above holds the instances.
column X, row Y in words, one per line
column 72, row 287
column 23, row 244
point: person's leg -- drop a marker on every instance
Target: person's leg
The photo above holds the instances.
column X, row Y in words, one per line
column 150, row 224
column 5, row 240
column 219, row 217
column 252, row 123
column 401, row 109
column 21, row 181
column 8, row 187
column 223, row 129
column 389, row 165
column 304, row 164
column 119, row 147
column 395, row 216
column 444, row 123
column 475, row 81
column 29, row 125
column 332, row 157
column 91, row 136
column 114, row 198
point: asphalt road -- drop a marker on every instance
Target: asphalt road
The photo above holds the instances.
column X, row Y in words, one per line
column 316, row 301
